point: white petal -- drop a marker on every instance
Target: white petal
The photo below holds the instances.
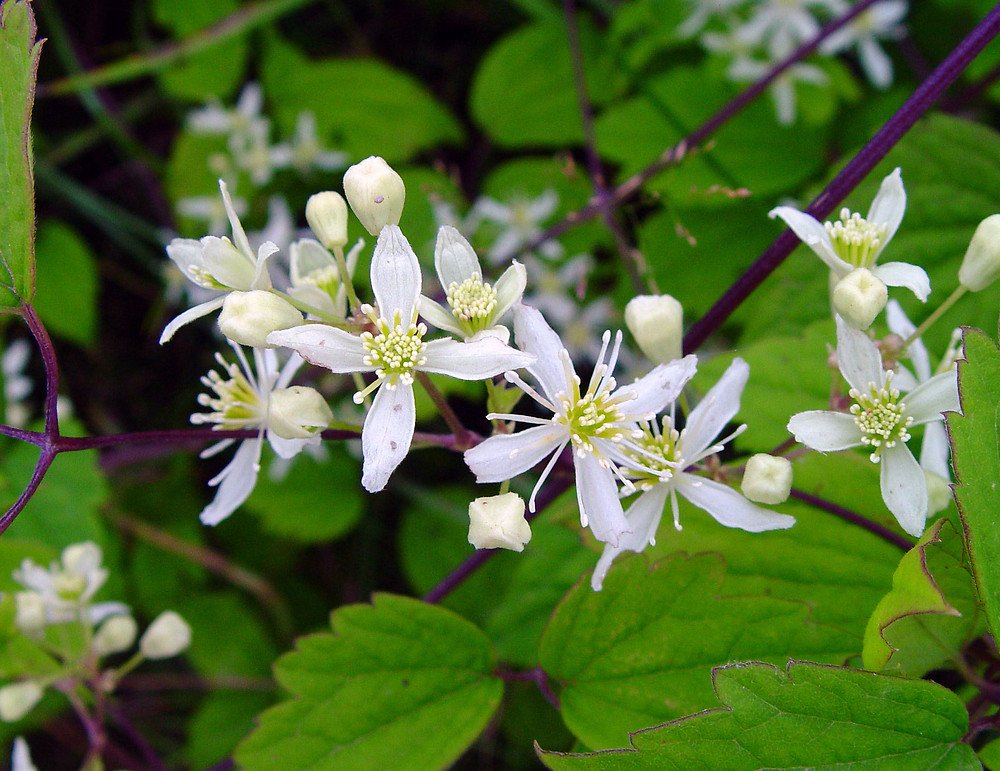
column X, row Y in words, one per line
column 934, row 450
column 387, row 433
column 901, row 325
column 102, row 610
column 718, row 407
column 236, row 482
column 906, row 275
column 226, row 264
column 904, row 380
column 927, row 401
column 454, row 257
column 877, row 65
column 904, row 488
column 307, row 255
column 261, row 278
column 728, row 507
column 438, row 316
column 21, row 756
column 504, row 456
column 509, row 288
column 324, row 346
column 289, row 448
column 813, row 234
column 544, row 206
column 783, row 94
column 190, row 315
column 660, row 387
column 395, row 274
column 239, row 235
column 475, row 360
column 597, row 495
column 858, row 357
column 888, row 206
column 824, row 430
column 186, row 253
column 643, row 517
column 534, row 335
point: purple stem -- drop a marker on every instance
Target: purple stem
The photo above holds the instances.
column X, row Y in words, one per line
column 51, row 366
column 44, row 461
column 538, row 676
column 857, row 169
column 854, row 518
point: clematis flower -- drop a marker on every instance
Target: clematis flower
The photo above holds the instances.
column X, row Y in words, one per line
column 746, row 69
column 475, row 306
column 670, row 453
column 242, row 400
column 305, row 152
column 520, row 221
column 599, row 423
column 881, row 21
column 782, row 25
column 315, row 278
column 213, row 118
column 395, row 351
column 220, row 265
column 856, row 242
column 880, row 419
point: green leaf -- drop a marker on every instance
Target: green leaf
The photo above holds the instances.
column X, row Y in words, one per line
column 399, row 684
column 362, row 105
column 222, row 719
column 804, row 716
column 67, row 283
column 976, row 460
column 640, row 651
column 19, row 53
column 931, row 612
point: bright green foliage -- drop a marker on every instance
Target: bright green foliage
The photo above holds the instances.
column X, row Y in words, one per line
column 345, row 94
column 19, row 54
column 989, row 755
column 931, row 612
column 67, row 283
column 805, row 716
column 399, row 684
column 640, row 651
column 976, row 446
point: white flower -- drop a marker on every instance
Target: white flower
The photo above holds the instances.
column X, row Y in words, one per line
column 167, row 636
column 744, row 69
column 702, row 13
column 220, row 265
column 64, row 591
column 241, row 401
column 16, row 385
column 880, row 419
column 394, row 352
column 856, row 242
column 598, row 422
column 253, row 153
column 520, row 222
column 497, row 522
column 316, row 278
column 211, row 210
column 556, row 291
column 671, row 453
column 305, row 153
column 213, row 118
column 475, row 305
column 781, row 26
column 881, row 21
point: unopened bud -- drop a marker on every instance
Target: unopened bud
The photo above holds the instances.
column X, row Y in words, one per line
column 18, row 699
column 248, row 318
column 497, row 522
column 115, row 635
column 375, row 192
column 326, row 214
column 767, row 479
column 168, row 635
column 981, row 266
column 657, row 324
column 29, row 615
column 859, row 297
column 298, row 412
column 82, row 558
column 938, row 493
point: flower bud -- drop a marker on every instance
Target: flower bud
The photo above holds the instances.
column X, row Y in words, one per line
column 82, row 558
column 18, row 699
column 168, row 635
column 326, row 214
column 29, row 615
column 375, row 192
column 298, row 412
column 938, row 493
column 767, row 479
column 248, row 318
column 656, row 322
column 981, row 266
column 115, row 635
column 497, row 522
column 859, row 297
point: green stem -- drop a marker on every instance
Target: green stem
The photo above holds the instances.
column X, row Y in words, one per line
column 941, row 310
column 346, row 281
column 324, row 316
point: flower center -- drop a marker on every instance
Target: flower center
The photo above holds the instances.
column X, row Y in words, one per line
column 69, row 586
column 881, row 417
column 591, row 416
column 472, row 301
column 236, row 404
column 855, row 239
column 203, row 278
column 327, row 279
column 660, row 457
column 396, row 351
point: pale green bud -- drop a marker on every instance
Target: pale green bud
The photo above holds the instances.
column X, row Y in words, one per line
column 115, row 635
column 497, row 522
column 938, row 493
column 326, row 214
column 29, row 615
column 298, row 412
column 859, row 298
column 168, row 635
column 82, row 558
column 248, row 318
column 375, row 192
column 657, row 324
column 981, row 266
column 18, row 699
column 767, row 479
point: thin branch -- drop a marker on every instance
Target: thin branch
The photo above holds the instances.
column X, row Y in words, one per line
column 538, row 676
column 51, row 367
column 463, row 437
column 44, row 462
column 854, row 518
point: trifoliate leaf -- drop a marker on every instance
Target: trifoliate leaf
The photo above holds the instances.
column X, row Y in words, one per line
column 807, row 715
column 399, row 684
column 640, row 651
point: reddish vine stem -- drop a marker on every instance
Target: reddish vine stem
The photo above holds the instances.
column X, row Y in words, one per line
column 538, row 676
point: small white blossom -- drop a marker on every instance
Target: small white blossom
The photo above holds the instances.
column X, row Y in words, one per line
column 16, row 385
column 316, row 277
column 782, row 89
column 556, row 291
column 781, row 26
column 216, row 119
column 657, row 324
column 305, row 152
column 981, row 264
column 168, row 636
column 394, row 352
column 210, row 209
column 880, row 22
column 767, row 479
column 520, row 222
column 253, row 153
column 880, row 419
column 497, row 522
column 702, row 12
